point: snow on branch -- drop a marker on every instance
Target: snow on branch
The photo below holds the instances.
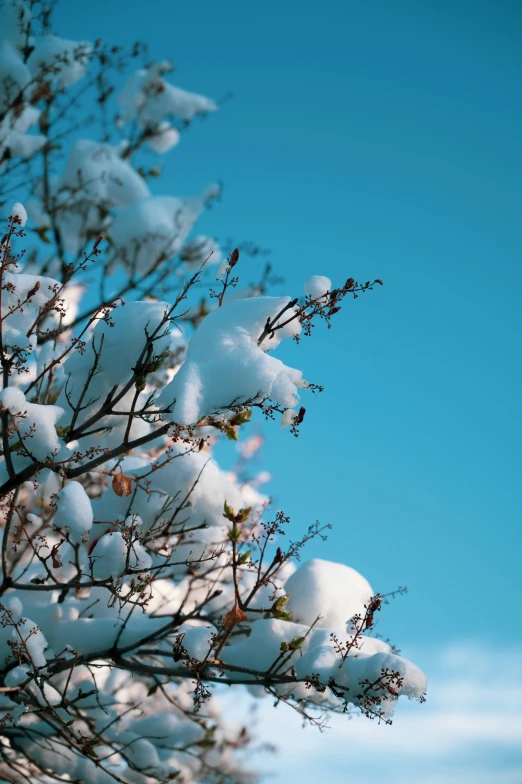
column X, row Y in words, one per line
column 138, row 576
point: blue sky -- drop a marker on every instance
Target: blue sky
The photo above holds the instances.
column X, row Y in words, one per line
column 377, row 139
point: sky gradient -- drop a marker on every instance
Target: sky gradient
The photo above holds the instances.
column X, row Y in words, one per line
column 380, row 140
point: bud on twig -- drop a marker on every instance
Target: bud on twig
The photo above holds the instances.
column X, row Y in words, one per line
column 243, row 514
column 34, row 290
column 228, row 512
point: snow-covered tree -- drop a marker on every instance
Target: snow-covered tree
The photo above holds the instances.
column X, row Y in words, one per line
column 137, row 575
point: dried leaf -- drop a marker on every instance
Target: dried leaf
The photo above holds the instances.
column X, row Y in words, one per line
column 55, row 557
column 234, row 616
column 122, row 484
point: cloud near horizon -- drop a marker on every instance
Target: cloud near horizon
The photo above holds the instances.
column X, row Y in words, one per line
column 468, row 732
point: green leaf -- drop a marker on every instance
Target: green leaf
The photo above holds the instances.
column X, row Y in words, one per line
column 243, row 514
column 241, row 417
column 282, row 616
column 234, row 534
column 230, row 432
column 207, row 743
column 228, row 512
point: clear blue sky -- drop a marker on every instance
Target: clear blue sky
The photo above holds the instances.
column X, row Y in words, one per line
column 377, row 139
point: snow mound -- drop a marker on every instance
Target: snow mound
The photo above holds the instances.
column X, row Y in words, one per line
column 64, row 60
column 154, row 229
column 224, row 365
column 74, row 512
column 36, row 425
column 150, row 100
column 99, row 173
column 362, row 676
column 317, row 286
column 332, row 591
column 35, row 292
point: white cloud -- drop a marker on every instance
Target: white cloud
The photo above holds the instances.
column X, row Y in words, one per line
column 468, row 732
